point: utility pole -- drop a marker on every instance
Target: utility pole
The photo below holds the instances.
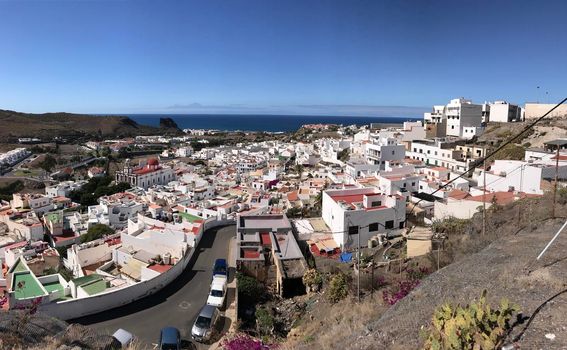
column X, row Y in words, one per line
column 359, row 269
column 556, row 180
column 484, row 196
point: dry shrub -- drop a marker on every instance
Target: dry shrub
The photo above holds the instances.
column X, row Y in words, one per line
column 346, row 317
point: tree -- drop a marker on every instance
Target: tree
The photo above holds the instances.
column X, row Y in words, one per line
column 249, row 289
column 48, row 163
column 344, row 155
column 88, row 199
column 96, row 231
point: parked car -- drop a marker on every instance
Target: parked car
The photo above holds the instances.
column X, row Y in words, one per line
column 124, row 337
column 169, row 339
column 220, row 268
column 204, row 325
column 217, row 293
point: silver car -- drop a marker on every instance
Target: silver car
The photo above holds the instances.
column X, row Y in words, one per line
column 204, row 326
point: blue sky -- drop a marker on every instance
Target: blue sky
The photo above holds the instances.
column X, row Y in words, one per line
column 315, row 57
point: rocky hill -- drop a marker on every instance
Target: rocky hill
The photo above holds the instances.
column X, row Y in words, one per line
column 67, row 125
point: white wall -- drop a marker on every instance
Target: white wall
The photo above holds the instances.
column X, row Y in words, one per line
column 460, row 209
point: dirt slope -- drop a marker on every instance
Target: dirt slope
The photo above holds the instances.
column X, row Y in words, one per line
column 506, row 268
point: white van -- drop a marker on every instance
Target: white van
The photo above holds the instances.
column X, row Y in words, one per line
column 217, row 293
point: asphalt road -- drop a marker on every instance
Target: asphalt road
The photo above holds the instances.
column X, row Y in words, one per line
column 177, row 304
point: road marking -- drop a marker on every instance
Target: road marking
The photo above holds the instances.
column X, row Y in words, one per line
column 184, row 305
column 155, row 345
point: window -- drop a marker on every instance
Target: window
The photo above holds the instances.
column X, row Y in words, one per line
column 452, row 126
column 353, row 230
column 393, row 152
column 389, row 224
column 373, row 227
column 402, row 224
column 376, row 203
column 413, row 184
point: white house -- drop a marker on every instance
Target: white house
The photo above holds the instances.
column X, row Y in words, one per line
column 461, row 113
column 504, row 112
column 145, row 176
column 361, row 211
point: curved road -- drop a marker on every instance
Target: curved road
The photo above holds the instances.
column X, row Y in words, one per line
column 177, row 304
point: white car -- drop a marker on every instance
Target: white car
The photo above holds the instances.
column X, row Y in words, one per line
column 218, row 291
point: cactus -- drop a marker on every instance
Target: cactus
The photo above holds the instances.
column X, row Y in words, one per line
column 476, row 326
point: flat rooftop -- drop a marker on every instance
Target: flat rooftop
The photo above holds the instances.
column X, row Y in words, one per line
column 264, row 222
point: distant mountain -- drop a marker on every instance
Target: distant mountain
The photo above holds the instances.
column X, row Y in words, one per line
column 72, row 126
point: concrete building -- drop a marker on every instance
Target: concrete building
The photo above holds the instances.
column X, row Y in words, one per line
column 13, row 156
column 38, row 203
column 266, row 247
column 462, row 113
column 145, row 175
column 361, row 211
column 63, row 189
column 383, row 149
column 504, row 112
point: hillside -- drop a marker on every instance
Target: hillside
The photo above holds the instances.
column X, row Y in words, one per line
column 67, row 125
column 506, row 269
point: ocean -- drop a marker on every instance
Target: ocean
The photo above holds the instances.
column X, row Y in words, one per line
column 271, row 123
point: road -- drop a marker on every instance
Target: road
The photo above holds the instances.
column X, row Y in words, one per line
column 177, row 304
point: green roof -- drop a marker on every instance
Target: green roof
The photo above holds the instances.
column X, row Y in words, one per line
column 26, row 286
column 86, row 279
column 54, row 217
column 95, row 287
column 53, row 286
column 19, row 266
column 190, row 217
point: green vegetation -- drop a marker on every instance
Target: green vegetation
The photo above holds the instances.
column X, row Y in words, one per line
column 511, row 152
column 249, row 289
column 95, row 188
column 189, row 217
column 344, row 155
column 7, row 191
column 562, row 195
column 451, row 225
column 338, row 288
column 294, row 212
column 48, row 163
column 313, row 279
column 264, row 321
column 475, row 326
column 95, row 232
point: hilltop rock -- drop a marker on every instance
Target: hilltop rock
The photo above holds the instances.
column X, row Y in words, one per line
column 168, row 123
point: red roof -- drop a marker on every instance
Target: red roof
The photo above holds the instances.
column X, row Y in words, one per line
column 458, row 194
column 292, row 196
column 160, row 268
column 250, row 254
column 265, row 238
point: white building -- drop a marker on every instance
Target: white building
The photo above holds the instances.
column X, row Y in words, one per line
column 115, row 210
column 382, row 150
column 461, row 113
column 361, row 211
column 145, row 176
column 39, row 203
column 13, row 156
column 183, row 152
column 504, row 112
column 517, row 175
column 63, row 189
